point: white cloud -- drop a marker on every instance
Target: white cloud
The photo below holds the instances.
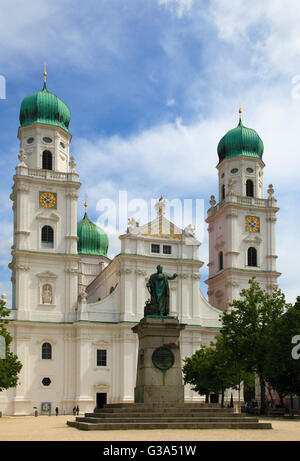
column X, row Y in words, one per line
column 268, row 29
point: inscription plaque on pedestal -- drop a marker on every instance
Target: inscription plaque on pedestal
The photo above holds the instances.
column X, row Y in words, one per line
column 163, row 358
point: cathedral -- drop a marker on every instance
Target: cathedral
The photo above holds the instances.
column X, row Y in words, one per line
column 73, row 308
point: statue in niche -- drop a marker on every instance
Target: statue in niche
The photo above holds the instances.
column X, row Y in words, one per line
column 47, row 294
column 158, row 287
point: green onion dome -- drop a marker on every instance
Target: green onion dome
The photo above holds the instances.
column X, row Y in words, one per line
column 92, row 240
column 44, row 107
column 240, row 141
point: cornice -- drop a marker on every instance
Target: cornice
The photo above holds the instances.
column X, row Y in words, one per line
column 43, row 181
column 93, row 324
column 156, row 259
column 234, row 270
column 46, row 254
column 240, row 206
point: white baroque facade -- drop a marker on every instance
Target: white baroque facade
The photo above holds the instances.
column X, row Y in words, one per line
column 73, row 311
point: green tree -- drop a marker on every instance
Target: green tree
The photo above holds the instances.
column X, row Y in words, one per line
column 196, row 371
column 211, row 370
column 246, row 329
column 10, row 366
column 282, row 370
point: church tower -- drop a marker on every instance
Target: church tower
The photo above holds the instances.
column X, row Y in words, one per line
column 44, row 252
column 241, row 224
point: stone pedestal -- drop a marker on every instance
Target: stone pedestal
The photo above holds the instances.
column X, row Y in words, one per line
column 159, row 375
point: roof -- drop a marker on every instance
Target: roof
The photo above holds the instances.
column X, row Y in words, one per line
column 44, row 107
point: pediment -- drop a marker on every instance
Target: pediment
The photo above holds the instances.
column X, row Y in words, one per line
column 253, row 239
column 101, row 343
column 161, row 228
column 48, row 216
column 47, row 275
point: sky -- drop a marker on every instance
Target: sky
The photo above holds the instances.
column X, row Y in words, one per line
column 152, row 86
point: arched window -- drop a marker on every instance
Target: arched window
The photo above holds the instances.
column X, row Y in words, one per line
column 249, row 188
column 223, row 192
column 47, row 160
column 252, row 257
column 47, row 294
column 47, row 237
column 46, row 351
column 220, row 260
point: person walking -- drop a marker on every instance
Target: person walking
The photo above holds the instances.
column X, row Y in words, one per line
column 74, row 411
column 56, row 411
column 77, row 410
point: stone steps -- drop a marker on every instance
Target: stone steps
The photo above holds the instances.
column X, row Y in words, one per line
column 158, row 413
column 165, row 419
column 86, row 426
column 157, row 416
column 163, row 410
column 182, row 416
column 206, row 406
column 162, row 414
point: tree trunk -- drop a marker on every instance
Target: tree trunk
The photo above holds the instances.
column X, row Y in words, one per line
column 263, row 407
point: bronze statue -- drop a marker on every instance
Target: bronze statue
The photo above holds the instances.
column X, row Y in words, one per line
column 158, row 287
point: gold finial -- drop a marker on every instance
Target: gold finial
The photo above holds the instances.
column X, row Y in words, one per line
column 85, row 203
column 240, row 110
column 45, row 72
column 161, row 197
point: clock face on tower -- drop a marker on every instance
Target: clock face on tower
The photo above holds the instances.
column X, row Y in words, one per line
column 252, row 223
column 47, row 200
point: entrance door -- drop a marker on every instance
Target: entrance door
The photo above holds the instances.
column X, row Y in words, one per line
column 101, row 399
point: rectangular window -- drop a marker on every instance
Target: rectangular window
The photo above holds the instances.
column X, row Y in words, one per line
column 101, row 358
column 167, row 249
column 155, row 248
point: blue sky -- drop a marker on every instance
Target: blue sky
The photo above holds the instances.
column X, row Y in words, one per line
column 152, row 86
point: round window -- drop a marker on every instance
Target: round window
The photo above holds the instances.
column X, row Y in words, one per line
column 249, row 170
column 47, row 140
column 234, row 170
column 30, row 140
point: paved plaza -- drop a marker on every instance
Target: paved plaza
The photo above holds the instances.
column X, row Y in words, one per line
column 46, row 428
